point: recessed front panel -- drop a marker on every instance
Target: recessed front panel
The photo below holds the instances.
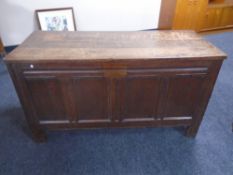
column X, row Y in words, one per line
column 47, row 98
column 91, row 99
column 183, row 95
column 137, row 98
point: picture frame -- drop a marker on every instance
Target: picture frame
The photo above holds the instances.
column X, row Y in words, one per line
column 56, row 19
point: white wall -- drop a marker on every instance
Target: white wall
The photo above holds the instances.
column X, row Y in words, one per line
column 17, row 18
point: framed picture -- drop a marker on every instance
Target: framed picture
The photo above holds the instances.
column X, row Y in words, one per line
column 59, row 19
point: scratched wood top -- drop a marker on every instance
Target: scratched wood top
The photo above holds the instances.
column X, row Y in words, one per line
column 114, row 45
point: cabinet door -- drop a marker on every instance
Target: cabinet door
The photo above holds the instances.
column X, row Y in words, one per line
column 68, row 96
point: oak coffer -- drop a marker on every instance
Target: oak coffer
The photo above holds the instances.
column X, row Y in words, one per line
column 68, row 80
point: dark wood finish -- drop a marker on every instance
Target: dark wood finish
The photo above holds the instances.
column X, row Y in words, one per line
column 167, row 13
column 114, row 79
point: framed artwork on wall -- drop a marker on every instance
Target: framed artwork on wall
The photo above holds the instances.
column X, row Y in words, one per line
column 57, row 19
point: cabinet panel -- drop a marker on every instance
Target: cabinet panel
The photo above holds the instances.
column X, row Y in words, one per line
column 227, row 16
column 187, row 14
column 137, row 98
column 212, row 18
column 46, row 94
column 217, row 17
column 91, row 98
column 184, row 92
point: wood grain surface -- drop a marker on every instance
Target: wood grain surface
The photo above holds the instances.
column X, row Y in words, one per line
column 114, row 45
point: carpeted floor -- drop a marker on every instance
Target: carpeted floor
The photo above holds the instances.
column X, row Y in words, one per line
column 151, row 151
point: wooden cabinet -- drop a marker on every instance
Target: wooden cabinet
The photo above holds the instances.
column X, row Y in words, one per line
column 116, row 79
column 217, row 18
column 203, row 15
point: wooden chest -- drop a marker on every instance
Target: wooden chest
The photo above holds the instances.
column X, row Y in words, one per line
column 68, row 80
